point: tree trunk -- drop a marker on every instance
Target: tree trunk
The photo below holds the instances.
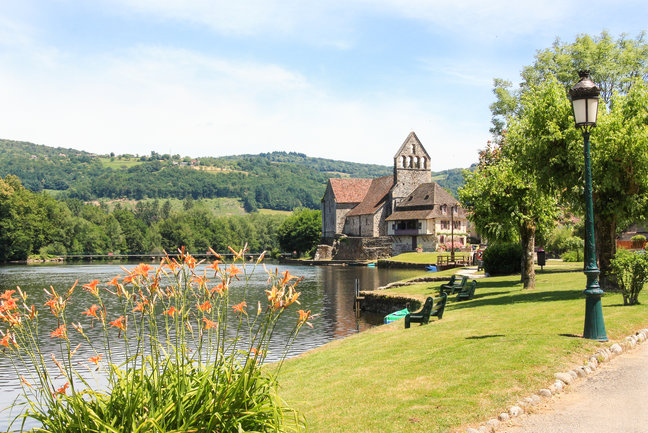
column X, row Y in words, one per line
column 605, row 234
column 527, row 239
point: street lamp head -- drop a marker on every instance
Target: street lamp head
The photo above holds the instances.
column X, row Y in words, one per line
column 585, row 97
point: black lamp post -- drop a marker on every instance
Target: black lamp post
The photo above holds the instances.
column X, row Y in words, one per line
column 585, row 97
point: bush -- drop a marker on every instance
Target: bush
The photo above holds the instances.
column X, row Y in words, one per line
column 572, row 256
column 503, row 259
column 194, row 361
column 631, row 271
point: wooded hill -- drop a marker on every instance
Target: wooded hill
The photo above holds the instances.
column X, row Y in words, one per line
column 276, row 180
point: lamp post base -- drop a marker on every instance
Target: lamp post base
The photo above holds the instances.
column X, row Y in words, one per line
column 594, row 324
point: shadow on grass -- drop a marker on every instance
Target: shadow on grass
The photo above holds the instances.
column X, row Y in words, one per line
column 571, row 335
column 481, row 337
column 487, row 298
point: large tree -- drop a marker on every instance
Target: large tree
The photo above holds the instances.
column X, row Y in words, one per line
column 505, row 204
column 541, row 133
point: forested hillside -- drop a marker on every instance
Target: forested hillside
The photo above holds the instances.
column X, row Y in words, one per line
column 277, row 180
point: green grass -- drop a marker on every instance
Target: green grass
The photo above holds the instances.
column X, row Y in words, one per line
column 421, row 257
column 482, row 357
column 222, row 206
column 274, row 212
column 117, row 164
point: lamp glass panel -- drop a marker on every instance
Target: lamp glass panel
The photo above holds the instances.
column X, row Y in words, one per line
column 592, row 109
column 580, row 114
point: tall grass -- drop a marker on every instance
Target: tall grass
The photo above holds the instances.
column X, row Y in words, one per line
column 175, row 355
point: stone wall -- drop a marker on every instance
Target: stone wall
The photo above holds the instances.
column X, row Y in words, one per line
column 357, row 248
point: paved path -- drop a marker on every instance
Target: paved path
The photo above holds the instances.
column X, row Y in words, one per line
column 613, row 399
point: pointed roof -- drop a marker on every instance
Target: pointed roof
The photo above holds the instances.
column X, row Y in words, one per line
column 425, row 203
column 411, row 139
column 349, row 190
column 375, row 198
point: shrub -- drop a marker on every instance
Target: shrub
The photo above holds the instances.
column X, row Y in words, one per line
column 193, row 362
column 503, row 259
column 631, row 271
column 572, row 256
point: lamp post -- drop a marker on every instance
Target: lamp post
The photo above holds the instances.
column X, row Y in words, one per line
column 585, row 97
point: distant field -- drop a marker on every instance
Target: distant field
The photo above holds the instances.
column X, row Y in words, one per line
column 116, row 163
column 274, row 212
column 223, row 206
column 212, row 169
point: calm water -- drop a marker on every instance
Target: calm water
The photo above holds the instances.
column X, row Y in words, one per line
column 327, row 291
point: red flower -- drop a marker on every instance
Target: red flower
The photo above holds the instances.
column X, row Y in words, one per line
column 95, row 359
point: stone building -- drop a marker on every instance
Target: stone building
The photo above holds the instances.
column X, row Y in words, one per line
column 364, row 208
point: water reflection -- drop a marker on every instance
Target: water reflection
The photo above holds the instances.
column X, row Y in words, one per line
column 327, row 291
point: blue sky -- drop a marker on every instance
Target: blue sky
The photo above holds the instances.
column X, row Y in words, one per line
column 335, row 79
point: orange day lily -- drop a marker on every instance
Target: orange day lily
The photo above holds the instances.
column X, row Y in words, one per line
column 5, row 340
column 60, row 332
column 286, row 277
column 95, row 359
column 240, row 308
column 119, row 323
column 209, row 323
column 92, row 311
column 304, row 316
column 171, row 311
column 206, row 306
column 64, row 388
column 92, row 287
column 113, row 282
column 233, row 271
column 6, row 295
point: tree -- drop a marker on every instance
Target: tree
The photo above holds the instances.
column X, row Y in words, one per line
column 539, row 125
column 505, row 205
column 301, row 231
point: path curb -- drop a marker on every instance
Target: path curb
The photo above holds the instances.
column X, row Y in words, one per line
column 564, row 379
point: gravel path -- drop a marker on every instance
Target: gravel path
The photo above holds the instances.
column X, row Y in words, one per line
column 613, row 399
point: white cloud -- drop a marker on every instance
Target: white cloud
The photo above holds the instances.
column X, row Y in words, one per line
column 178, row 101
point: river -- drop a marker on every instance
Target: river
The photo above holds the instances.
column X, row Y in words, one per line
column 328, row 291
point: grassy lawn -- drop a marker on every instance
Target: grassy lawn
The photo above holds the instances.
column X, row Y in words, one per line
column 481, row 358
column 422, row 257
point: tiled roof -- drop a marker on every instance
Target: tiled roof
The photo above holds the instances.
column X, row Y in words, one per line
column 350, row 190
column 375, row 197
column 410, row 215
column 425, row 203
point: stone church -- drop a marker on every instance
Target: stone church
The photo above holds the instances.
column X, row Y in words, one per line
column 405, row 211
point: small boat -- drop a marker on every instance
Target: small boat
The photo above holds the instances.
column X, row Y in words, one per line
column 431, row 268
column 371, row 265
column 397, row 315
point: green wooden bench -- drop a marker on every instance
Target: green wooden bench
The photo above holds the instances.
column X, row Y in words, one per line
column 467, row 292
column 429, row 309
column 453, row 286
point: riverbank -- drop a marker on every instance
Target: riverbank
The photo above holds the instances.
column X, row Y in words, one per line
column 484, row 356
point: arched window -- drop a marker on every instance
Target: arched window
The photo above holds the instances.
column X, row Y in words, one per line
column 412, row 148
column 423, row 163
column 409, row 162
column 402, row 161
column 416, row 162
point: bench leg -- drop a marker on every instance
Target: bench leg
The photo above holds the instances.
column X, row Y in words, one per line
column 407, row 322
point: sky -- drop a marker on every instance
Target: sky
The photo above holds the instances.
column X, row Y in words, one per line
column 338, row 79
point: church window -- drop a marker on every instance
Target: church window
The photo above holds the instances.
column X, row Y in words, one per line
column 412, row 148
column 427, row 196
column 409, row 162
column 402, row 162
column 416, row 162
column 423, row 163
column 444, row 209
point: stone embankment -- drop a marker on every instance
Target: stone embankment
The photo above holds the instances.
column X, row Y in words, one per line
column 380, row 302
